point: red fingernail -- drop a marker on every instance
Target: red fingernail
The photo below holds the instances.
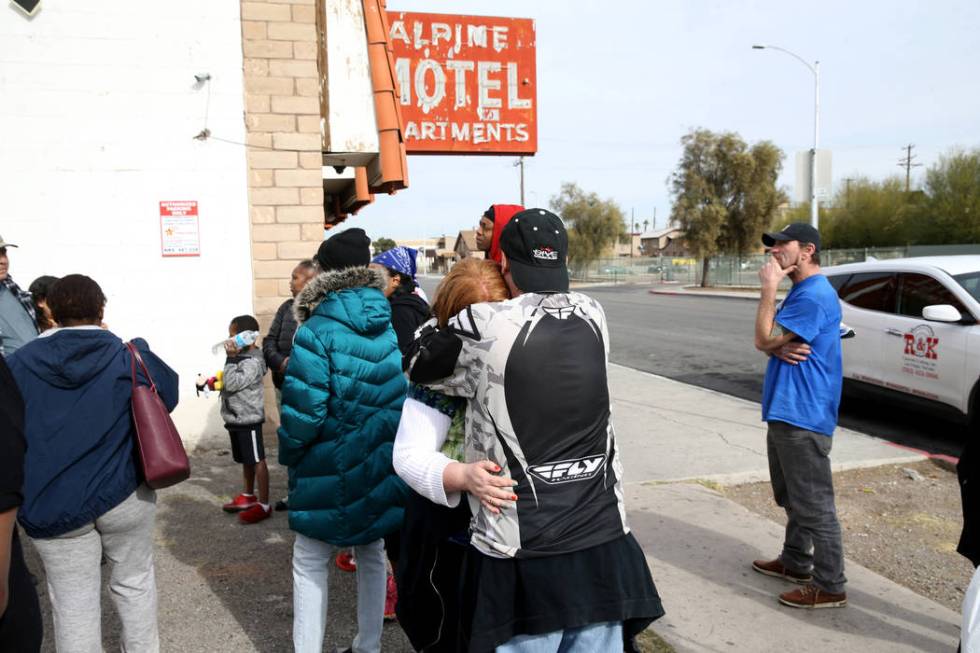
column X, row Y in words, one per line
column 496, row 468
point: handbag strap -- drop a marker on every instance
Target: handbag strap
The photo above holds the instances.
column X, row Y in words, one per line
column 134, row 359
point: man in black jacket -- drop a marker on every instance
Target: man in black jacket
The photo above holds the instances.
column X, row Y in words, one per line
column 279, row 341
column 20, row 615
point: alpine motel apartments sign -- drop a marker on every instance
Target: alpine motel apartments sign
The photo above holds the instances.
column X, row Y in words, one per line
column 466, row 83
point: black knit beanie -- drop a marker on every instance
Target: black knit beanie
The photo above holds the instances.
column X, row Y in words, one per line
column 350, row 248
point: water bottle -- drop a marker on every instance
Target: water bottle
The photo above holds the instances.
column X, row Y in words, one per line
column 241, row 340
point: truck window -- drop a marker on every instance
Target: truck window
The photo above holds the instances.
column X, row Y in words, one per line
column 874, row 291
column 837, row 281
column 921, row 290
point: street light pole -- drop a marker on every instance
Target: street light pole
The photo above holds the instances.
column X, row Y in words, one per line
column 815, row 69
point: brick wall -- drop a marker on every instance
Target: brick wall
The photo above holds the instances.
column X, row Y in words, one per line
column 282, row 121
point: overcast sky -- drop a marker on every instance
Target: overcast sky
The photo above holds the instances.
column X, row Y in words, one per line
column 619, row 83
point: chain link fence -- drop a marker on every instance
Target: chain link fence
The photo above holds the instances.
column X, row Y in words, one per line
column 734, row 270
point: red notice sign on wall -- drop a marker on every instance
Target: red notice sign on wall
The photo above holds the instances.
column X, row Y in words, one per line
column 467, row 84
column 180, row 233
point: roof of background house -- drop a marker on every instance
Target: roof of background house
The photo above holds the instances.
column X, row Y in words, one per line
column 468, row 236
column 659, row 233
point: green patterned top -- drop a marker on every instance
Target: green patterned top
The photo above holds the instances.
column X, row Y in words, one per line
column 454, row 408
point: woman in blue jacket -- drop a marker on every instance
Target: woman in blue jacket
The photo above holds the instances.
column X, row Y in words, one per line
column 341, row 403
column 83, row 494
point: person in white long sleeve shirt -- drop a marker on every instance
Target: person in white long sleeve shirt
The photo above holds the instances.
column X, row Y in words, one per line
column 427, row 456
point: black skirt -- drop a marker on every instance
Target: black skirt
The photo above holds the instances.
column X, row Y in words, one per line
column 507, row 597
column 434, row 543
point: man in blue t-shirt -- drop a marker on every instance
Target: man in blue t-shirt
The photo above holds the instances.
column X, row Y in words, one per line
column 800, row 398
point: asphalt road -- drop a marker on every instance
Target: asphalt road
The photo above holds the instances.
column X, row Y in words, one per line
column 707, row 341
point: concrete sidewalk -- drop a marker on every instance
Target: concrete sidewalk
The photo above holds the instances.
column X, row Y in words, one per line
column 700, row 544
column 672, row 431
column 751, row 294
column 227, row 587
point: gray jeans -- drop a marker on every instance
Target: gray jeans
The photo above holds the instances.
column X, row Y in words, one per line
column 311, row 560
column 72, row 565
column 799, row 468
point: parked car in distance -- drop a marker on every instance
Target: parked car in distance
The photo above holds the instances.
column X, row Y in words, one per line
column 917, row 332
column 615, row 270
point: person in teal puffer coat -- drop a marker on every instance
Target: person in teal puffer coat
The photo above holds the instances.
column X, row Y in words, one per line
column 341, row 403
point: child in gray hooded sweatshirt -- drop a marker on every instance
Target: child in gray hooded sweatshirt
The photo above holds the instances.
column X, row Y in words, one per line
column 243, row 410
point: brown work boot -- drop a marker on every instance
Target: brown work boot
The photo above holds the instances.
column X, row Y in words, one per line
column 811, row 596
column 776, row 568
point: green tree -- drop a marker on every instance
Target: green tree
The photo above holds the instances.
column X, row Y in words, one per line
column 869, row 213
column 593, row 224
column 383, row 245
column 952, row 206
column 725, row 193
column 863, row 213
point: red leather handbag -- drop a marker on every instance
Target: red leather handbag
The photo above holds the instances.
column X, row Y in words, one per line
column 161, row 452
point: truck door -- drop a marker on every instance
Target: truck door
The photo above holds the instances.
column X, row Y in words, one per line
column 867, row 297
column 921, row 357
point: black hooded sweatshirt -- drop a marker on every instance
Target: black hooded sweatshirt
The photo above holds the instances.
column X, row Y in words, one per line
column 408, row 312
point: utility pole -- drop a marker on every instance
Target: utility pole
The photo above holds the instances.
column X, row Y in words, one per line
column 906, row 162
column 633, row 227
column 847, row 192
column 520, row 164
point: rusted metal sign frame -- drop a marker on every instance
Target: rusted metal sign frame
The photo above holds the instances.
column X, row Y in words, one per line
column 467, row 84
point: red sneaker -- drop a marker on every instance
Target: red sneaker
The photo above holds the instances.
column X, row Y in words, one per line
column 391, row 599
column 239, row 503
column 345, row 561
column 254, row 514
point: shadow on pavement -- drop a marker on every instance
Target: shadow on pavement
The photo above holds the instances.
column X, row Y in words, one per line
column 248, row 568
column 724, row 561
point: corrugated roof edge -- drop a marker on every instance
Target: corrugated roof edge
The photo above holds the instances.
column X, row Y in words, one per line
column 391, row 172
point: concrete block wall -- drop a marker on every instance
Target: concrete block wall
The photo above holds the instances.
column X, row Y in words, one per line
column 282, row 122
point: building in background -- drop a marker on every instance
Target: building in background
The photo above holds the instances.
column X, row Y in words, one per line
column 630, row 246
column 663, row 242
column 465, row 245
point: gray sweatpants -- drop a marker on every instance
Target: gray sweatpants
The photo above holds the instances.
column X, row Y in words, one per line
column 72, row 565
column 799, row 468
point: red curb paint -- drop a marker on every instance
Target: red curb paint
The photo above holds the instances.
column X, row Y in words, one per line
column 935, row 456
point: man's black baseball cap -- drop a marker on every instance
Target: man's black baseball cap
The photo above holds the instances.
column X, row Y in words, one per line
column 536, row 246
column 799, row 231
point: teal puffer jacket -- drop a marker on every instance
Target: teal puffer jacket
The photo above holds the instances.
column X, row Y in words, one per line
column 341, row 401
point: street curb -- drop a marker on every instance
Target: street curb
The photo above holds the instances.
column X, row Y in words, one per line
column 719, row 295
column 762, row 475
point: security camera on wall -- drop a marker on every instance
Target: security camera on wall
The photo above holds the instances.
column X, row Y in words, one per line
column 29, row 7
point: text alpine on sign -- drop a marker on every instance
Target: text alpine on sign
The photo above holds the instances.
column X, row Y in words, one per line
column 466, row 83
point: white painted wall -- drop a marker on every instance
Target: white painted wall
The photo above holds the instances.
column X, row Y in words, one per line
column 97, row 113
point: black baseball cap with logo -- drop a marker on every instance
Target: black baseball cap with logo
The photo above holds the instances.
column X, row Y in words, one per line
column 536, row 245
column 798, row 231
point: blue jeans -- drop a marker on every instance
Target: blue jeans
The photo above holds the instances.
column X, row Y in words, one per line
column 311, row 559
column 594, row 638
column 799, row 468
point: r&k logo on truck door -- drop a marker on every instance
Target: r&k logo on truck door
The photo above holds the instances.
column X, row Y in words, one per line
column 922, row 342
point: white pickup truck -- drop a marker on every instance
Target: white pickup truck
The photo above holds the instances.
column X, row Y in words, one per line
column 917, row 330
